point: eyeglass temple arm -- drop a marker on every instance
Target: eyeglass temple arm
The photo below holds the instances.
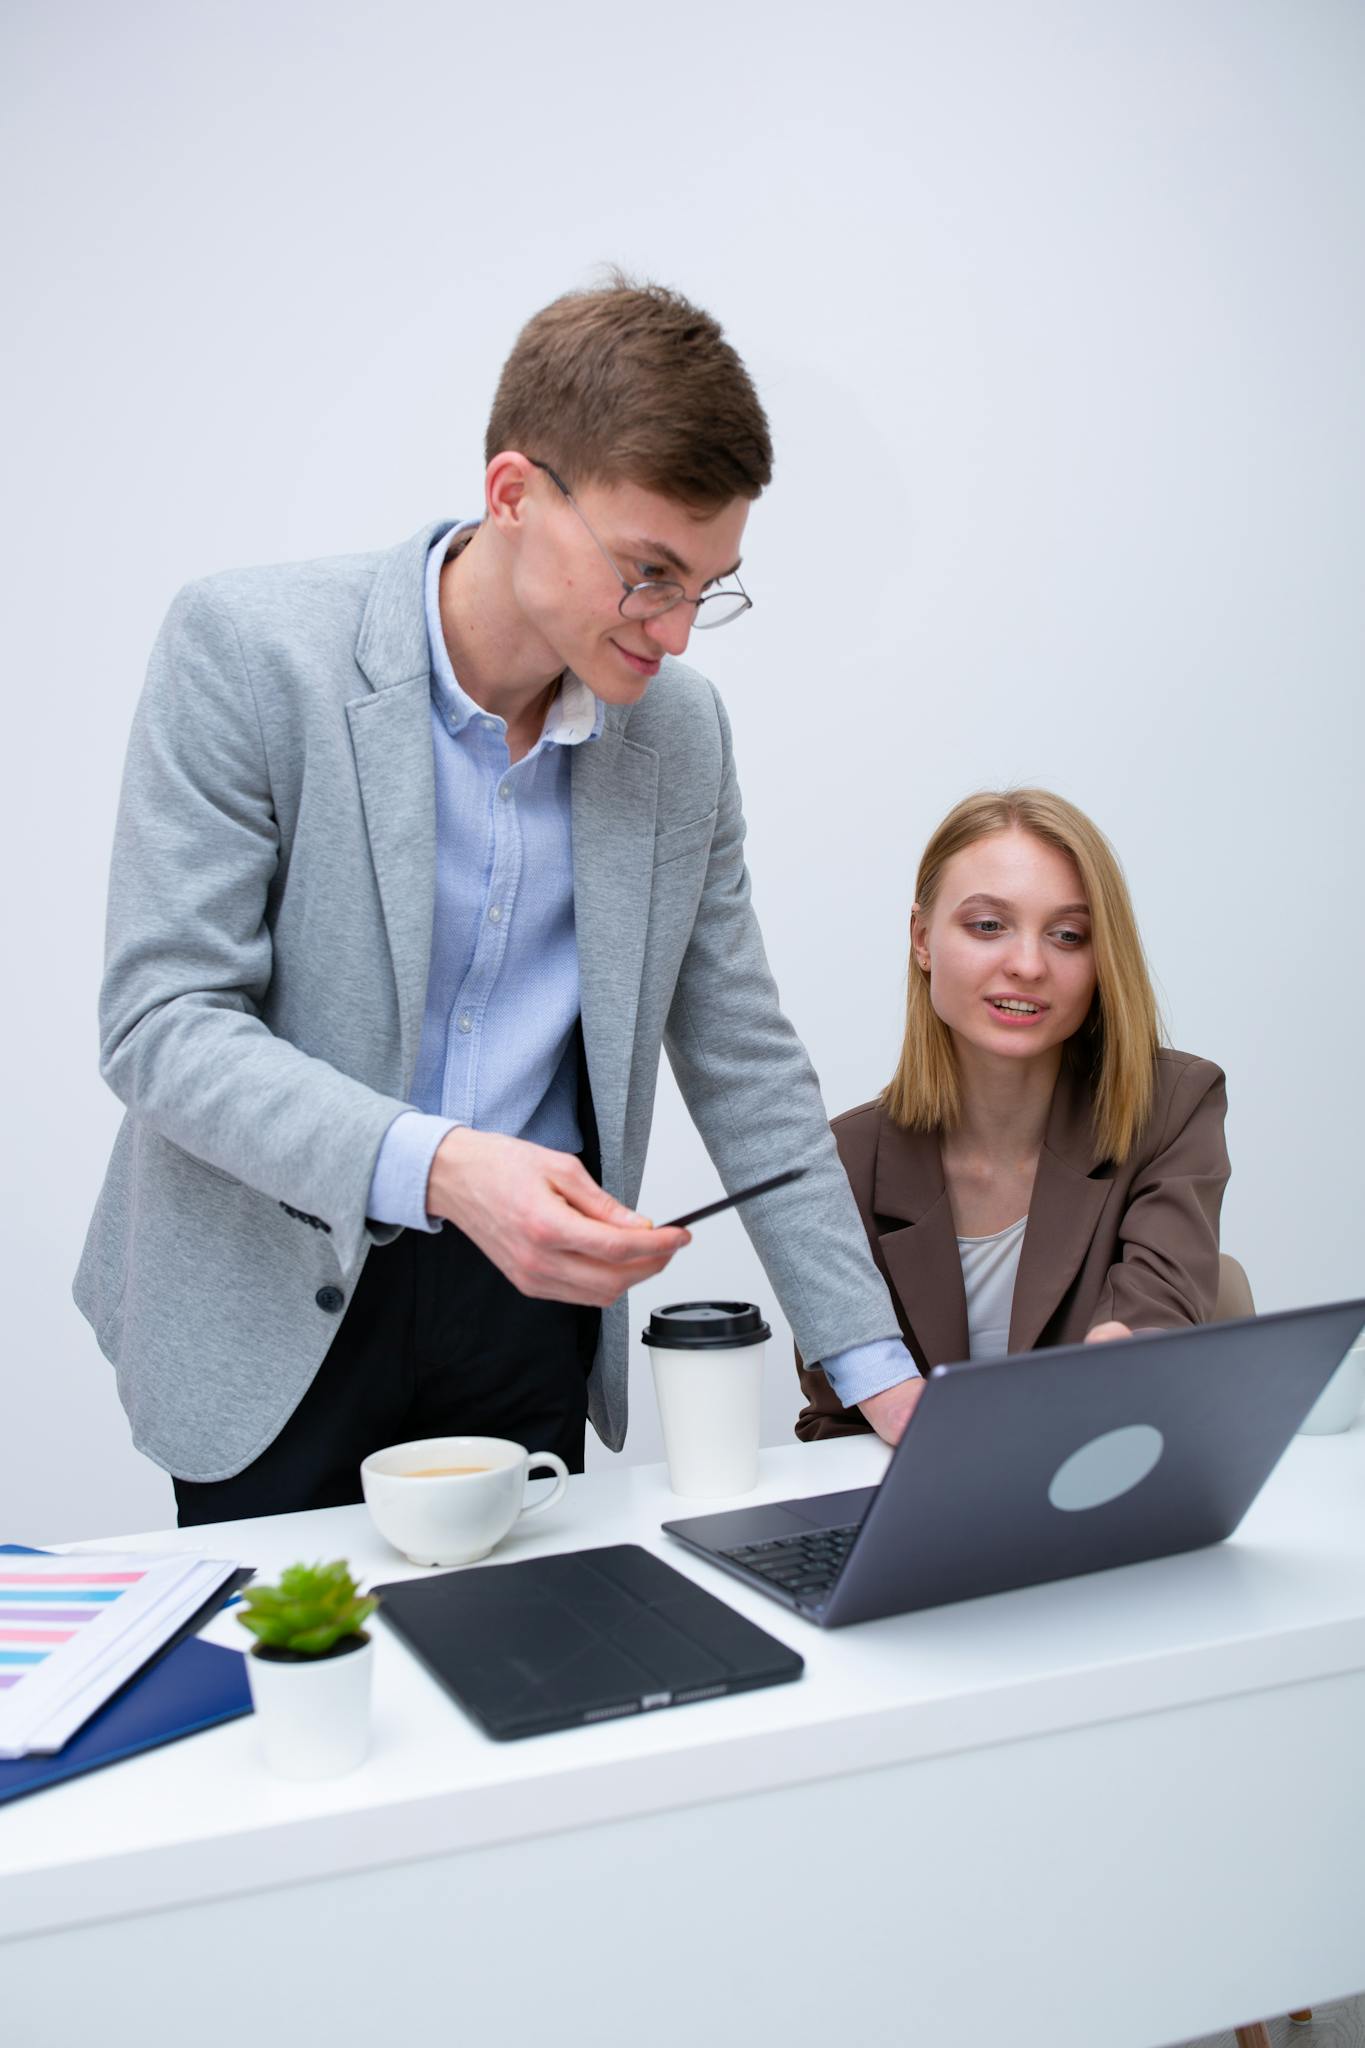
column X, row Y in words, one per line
column 560, row 485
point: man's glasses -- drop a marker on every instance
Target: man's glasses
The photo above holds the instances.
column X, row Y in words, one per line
column 651, row 599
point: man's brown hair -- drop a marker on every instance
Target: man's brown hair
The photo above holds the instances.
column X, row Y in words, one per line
column 631, row 383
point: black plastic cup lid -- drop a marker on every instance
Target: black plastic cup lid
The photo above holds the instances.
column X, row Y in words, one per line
column 705, row 1326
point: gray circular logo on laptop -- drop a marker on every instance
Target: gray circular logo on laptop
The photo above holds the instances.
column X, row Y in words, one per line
column 1106, row 1467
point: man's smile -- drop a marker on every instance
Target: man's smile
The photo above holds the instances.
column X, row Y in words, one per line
column 641, row 664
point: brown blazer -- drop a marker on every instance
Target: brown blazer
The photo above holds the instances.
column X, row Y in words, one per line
column 1136, row 1243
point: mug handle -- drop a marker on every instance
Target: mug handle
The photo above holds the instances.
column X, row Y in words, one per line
column 534, row 1458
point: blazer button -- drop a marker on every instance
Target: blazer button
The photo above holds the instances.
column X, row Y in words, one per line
column 330, row 1298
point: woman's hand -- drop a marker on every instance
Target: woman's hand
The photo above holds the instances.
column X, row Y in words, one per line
column 1103, row 1332
column 889, row 1411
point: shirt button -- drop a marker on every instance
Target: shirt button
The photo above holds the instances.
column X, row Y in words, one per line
column 495, row 914
column 490, row 725
column 505, row 791
column 331, row 1299
column 466, row 1022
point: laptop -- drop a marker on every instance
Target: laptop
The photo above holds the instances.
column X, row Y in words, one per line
column 1014, row 1471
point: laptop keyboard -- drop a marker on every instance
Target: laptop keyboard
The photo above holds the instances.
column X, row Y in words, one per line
column 806, row 1563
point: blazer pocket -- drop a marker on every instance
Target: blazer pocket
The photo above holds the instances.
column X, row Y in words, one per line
column 681, row 840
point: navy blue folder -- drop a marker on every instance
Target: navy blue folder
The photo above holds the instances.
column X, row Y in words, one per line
column 189, row 1686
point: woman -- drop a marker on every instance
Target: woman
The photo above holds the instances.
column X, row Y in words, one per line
column 1040, row 1169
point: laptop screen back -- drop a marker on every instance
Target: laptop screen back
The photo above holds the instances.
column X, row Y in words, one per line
column 1015, row 1471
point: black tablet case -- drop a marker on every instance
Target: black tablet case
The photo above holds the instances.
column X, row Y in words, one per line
column 564, row 1641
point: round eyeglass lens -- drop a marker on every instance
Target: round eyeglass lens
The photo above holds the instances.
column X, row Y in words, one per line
column 720, row 609
column 647, row 600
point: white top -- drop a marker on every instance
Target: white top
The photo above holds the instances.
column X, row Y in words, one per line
column 989, row 1267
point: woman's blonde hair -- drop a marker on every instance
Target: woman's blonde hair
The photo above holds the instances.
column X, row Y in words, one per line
column 1115, row 1046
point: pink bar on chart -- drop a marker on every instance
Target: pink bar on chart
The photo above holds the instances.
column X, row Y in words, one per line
column 36, row 1635
column 70, row 1578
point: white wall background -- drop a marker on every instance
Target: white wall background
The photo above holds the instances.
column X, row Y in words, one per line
column 1058, row 311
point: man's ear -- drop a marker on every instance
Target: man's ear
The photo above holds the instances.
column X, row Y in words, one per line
column 505, row 488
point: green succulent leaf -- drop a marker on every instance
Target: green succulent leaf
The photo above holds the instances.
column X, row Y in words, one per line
column 309, row 1610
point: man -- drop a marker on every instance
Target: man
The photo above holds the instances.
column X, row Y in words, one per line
column 420, row 858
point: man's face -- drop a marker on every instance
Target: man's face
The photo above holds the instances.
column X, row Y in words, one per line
column 565, row 588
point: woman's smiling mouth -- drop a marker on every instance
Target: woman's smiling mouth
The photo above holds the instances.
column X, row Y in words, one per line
column 1016, row 1009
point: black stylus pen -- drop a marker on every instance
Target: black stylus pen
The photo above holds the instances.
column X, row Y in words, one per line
column 761, row 1187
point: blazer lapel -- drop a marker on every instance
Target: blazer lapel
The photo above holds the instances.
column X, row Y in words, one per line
column 391, row 739
column 921, row 1254
column 1064, row 1209
column 615, row 797
column 391, row 736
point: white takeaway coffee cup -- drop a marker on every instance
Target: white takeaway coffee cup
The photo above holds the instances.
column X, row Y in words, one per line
column 707, row 1361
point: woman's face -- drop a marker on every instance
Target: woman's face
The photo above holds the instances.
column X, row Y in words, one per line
column 1008, row 949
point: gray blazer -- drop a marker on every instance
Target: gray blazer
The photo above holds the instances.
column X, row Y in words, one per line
column 270, row 916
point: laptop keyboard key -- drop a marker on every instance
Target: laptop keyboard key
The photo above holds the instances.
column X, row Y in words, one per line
column 808, row 1562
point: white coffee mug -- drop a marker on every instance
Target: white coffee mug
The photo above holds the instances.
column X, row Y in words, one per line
column 449, row 1499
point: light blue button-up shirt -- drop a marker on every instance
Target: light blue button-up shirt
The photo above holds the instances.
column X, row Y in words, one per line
column 497, row 1050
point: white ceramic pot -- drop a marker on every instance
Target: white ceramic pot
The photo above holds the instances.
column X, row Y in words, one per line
column 313, row 1713
column 1340, row 1401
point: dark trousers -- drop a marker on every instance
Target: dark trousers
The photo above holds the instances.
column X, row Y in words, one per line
column 434, row 1342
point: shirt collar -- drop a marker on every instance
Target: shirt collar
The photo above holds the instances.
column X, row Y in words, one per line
column 575, row 714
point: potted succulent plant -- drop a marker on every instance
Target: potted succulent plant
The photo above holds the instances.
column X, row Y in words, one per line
column 310, row 1669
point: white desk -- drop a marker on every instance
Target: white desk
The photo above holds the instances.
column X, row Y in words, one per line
column 1129, row 1808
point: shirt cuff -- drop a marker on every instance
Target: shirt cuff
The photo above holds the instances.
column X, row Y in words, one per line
column 398, row 1185
column 869, row 1369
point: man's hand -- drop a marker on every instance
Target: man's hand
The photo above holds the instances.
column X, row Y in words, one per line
column 543, row 1220
column 1104, row 1332
column 889, row 1411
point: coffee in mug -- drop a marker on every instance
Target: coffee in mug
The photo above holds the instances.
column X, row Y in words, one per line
column 441, row 1471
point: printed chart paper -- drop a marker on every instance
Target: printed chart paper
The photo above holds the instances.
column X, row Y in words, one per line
column 73, row 1629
